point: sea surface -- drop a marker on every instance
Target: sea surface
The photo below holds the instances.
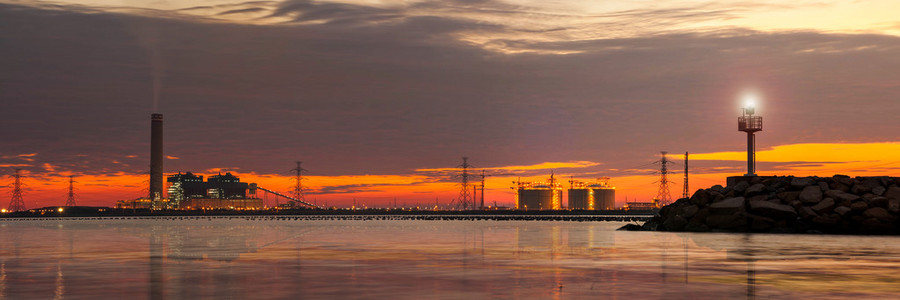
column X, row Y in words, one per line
column 264, row 258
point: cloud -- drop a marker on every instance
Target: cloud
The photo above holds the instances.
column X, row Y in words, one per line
column 353, row 90
column 347, row 189
column 540, row 166
column 869, row 158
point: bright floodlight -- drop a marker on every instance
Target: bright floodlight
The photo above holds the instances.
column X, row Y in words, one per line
column 749, row 104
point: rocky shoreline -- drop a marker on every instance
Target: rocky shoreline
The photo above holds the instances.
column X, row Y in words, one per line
column 787, row 204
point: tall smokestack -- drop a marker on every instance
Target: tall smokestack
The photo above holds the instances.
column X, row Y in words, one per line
column 156, row 156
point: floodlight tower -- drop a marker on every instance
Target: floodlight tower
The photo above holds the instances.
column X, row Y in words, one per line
column 750, row 124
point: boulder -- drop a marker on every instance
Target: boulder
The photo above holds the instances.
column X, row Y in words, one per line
column 701, row 197
column 859, row 206
column 718, row 188
column 878, row 190
column 879, row 201
column 801, row 182
column 823, row 206
column 716, row 196
column 870, row 183
column 787, row 197
column 842, row 210
column 841, row 196
column 823, row 186
column 651, row 225
column 843, row 179
column 828, row 221
column 807, row 213
column 755, row 189
column 838, row 186
column 688, row 211
column 759, row 198
column 728, row 206
column 879, row 213
column 894, row 205
column 860, row 189
column 630, row 227
column 773, row 210
column 675, row 223
column 811, row 194
column 893, row 192
column 760, row 223
column 740, row 187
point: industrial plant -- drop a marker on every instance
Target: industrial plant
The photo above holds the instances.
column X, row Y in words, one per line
column 548, row 195
column 596, row 195
column 188, row 191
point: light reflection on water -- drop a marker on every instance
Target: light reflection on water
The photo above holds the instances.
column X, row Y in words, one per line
column 275, row 259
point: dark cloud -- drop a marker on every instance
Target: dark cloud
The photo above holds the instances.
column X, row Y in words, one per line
column 243, row 10
column 305, row 10
column 347, row 189
column 402, row 93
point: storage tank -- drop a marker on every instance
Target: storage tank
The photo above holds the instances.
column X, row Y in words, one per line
column 539, row 195
column 580, row 198
column 604, row 197
column 596, row 195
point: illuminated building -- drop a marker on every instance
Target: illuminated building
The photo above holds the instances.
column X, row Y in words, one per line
column 539, row 195
column 592, row 195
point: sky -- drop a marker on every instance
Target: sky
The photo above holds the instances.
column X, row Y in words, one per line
column 381, row 99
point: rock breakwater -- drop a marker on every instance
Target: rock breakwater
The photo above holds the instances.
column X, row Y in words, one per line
column 776, row 204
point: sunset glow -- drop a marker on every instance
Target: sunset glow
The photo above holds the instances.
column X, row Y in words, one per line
column 380, row 99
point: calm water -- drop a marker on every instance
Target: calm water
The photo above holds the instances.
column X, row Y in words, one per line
column 276, row 259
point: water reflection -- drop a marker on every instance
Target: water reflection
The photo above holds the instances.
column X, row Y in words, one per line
column 240, row 258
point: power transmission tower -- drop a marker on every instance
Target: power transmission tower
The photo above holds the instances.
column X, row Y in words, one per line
column 687, row 188
column 483, row 175
column 663, row 194
column 16, row 203
column 462, row 201
column 70, row 200
column 298, row 182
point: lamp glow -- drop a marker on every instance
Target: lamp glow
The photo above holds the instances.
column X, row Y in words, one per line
column 749, row 104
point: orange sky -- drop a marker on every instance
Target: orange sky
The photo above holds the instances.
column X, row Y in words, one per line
column 423, row 187
column 382, row 97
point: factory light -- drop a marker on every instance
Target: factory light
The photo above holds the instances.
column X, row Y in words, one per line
column 60, row 209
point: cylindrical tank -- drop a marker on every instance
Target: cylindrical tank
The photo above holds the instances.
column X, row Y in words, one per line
column 538, row 198
column 580, row 199
column 156, row 156
column 604, row 198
